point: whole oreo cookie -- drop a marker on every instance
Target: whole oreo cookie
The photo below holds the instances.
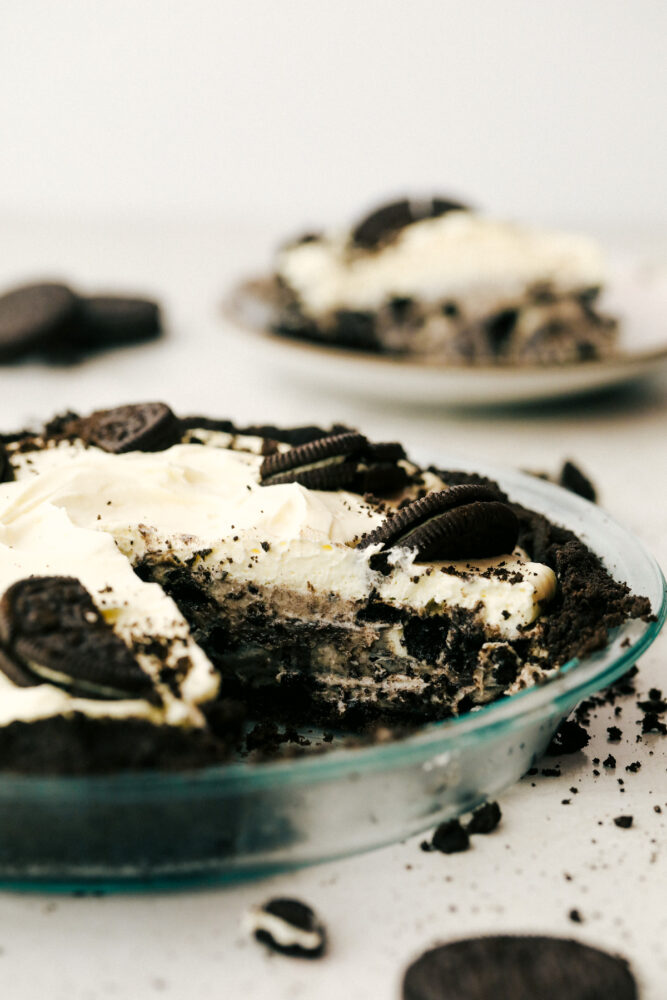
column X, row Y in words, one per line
column 518, row 968
column 110, row 320
column 345, row 461
column 137, row 427
column 386, row 221
column 464, row 522
column 51, row 628
column 34, row 316
column 324, row 464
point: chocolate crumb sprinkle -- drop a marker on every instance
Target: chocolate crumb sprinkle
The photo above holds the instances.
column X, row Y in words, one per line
column 624, row 822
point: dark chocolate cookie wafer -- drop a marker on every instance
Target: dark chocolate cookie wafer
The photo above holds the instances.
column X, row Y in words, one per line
column 109, row 320
column 34, row 316
column 319, row 464
column 137, row 427
column 518, row 968
column 389, row 219
column 51, row 626
column 463, row 522
column 288, row 926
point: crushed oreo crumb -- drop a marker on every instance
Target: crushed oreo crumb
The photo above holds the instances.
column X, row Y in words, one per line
column 624, row 822
column 450, row 838
column 485, row 819
column 569, row 738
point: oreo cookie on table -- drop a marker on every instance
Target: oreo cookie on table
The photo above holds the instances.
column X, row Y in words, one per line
column 518, row 968
column 114, row 320
column 135, row 427
column 288, row 926
column 384, row 222
column 34, row 316
column 52, row 632
column 53, row 319
column 464, row 522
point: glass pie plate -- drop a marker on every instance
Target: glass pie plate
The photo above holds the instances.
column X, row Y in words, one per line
column 241, row 819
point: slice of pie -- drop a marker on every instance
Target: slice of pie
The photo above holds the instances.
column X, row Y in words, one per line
column 440, row 283
column 165, row 578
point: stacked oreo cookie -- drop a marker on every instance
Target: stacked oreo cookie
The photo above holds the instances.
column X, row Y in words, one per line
column 51, row 320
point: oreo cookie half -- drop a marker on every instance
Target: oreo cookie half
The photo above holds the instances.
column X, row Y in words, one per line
column 33, row 316
column 325, row 464
column 464, row 522
column 53, row 630
column 518, row 968
column 386, row 221
column 137, row 427
column 288, row 926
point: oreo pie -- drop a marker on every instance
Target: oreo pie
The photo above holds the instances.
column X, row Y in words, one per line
column 438, row 282
column 163, row 578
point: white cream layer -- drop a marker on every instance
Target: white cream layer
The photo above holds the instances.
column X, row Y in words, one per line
column 192, row 498
column 482, row 264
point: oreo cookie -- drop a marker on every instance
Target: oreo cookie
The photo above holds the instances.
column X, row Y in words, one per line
column 136, row 427
column 383, row 223
column 464, row 522
column 325, row 464
column 53, row 632
column 34, row 316
column 288, row 926
column 520, row 968
column 115, row 320
column 345, row 461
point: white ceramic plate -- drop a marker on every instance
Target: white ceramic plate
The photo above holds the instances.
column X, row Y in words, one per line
column 637, row 294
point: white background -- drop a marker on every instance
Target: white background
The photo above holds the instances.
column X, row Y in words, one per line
column 305, row 109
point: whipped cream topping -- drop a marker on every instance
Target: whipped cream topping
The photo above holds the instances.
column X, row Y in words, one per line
column 191, row 500
column 480, row 263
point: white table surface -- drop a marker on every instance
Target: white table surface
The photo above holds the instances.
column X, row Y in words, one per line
column 385, row 907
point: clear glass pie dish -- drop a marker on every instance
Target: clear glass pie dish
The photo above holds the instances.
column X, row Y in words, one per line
column 241, row 819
